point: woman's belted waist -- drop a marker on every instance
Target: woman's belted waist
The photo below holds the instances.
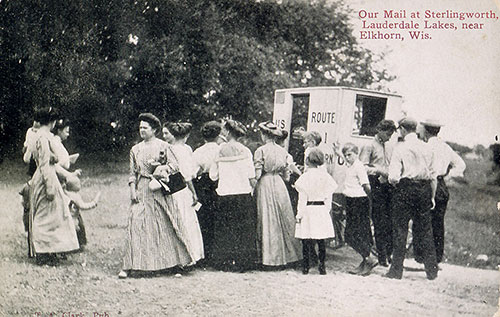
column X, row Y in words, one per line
column 271, row 173
column 406, row 181
column 315, row 203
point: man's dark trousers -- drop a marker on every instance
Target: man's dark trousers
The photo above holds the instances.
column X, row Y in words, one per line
column 381, row 217
column 438, row 214
column 412, row 200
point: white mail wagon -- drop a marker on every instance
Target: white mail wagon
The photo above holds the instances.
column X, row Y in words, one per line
column 339, row 114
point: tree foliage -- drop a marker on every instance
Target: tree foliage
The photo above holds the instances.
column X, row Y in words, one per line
column 105, row 61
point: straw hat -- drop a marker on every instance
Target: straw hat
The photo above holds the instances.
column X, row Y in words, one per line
column 270, row 128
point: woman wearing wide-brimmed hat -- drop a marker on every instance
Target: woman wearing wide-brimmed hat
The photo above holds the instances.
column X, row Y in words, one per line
column 275, row 220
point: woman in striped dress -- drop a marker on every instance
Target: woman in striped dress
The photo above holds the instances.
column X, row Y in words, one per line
column 156, row 235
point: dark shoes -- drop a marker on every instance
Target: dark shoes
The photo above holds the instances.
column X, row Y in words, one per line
column 359, row 269
column 382, row 261
column 368, row 267
column 432, row 276
column 393, row 275
column 50, row 259
column 365, row 267
column 322, row 269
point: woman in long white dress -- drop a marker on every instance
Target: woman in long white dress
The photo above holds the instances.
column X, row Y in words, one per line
column 186, row 198
column 61, row 133
column 51, row 228
column 275, row 217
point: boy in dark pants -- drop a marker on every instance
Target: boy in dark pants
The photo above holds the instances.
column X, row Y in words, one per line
column 358, row 232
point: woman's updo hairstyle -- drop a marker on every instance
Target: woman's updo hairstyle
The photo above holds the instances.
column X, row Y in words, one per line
column 45, row 115
column 235, row 128
column 211, row 130
column 150, row 118
column 179, row 129
column 282, row 137
column 61, row 123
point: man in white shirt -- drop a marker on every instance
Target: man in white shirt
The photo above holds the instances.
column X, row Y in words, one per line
column 376, row 157
column 414, row 180
column 446, row 164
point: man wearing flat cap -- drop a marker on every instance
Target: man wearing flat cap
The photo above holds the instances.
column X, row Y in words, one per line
column 414, row 181
column 446, row 164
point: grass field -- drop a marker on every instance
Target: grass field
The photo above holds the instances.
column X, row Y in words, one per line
column 87, row 282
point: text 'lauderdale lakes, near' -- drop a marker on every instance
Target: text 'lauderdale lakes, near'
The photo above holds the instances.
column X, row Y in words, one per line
column 418, row 25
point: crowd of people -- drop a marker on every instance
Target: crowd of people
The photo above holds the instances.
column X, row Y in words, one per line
column 223, row 206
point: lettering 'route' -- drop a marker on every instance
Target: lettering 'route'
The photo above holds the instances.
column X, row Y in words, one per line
column 322, row 117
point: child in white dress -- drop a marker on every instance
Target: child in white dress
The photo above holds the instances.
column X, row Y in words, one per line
column 314, row 223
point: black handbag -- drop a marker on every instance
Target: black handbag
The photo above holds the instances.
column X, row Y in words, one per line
column 175, row 182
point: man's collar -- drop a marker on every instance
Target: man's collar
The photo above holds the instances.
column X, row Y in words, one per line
column 411, row 136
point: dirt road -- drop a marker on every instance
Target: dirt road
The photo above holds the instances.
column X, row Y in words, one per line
column 86, row 285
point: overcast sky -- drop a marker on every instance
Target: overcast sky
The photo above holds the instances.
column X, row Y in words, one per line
column 453, row 77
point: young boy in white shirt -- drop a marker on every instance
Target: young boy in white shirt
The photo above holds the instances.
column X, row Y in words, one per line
column 357, row 190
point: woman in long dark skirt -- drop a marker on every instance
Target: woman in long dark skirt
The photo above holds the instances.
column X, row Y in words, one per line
column 204, row 157
column 234, row 247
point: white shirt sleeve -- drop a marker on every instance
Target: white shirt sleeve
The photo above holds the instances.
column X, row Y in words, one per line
column 395, row 167
column 457, row 165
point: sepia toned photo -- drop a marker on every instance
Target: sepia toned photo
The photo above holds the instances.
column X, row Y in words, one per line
column 249, row 158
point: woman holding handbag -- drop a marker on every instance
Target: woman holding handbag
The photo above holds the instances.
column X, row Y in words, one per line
column 157, row 238
column 186, row 198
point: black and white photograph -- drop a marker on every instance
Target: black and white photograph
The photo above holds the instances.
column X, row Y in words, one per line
column 249, row 158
